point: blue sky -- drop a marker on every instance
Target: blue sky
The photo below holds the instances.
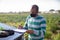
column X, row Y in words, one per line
column 25, row 5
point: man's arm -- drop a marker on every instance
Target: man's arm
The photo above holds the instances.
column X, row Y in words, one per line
column 25, row 25
column 43, row 26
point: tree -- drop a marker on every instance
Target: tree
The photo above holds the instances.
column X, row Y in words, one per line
column 58, row 11
column 52, row 10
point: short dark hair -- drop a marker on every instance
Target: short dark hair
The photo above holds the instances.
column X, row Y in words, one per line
column 35, row 6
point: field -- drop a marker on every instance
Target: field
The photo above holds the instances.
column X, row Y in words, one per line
column 52, row 20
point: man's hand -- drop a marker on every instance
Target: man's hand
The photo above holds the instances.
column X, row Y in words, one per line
column 20, row 27
column 30, row 31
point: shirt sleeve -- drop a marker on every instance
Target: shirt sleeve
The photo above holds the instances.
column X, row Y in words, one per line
column 43, row 28
column 25, row 25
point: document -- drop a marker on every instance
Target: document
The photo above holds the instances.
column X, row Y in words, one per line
column 20, row 30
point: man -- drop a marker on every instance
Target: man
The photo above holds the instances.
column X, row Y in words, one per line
column 35, row 25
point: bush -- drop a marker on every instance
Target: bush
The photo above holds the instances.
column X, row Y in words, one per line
column 48, row 34
column 56, row 37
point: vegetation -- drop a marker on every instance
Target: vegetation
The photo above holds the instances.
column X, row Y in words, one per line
column 52, row 20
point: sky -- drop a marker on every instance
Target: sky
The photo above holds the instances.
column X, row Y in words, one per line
column 25, row 5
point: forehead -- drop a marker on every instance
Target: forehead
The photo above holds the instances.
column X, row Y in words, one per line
column 34, row 7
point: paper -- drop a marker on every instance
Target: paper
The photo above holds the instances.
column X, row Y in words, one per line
column 20, row 30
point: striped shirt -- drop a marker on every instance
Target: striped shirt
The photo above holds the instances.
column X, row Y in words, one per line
column 38, row 25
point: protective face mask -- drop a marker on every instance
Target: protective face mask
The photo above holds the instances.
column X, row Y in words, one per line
column 33, row 15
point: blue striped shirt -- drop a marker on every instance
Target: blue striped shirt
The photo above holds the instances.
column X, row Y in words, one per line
column 38, row 25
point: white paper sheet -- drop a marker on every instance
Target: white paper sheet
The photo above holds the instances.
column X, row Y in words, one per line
column 20, row 30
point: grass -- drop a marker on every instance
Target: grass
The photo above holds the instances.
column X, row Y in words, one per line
column 19, row 19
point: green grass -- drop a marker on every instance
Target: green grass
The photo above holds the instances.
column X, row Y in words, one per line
column 19, row 19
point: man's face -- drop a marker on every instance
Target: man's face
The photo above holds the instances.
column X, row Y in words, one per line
column 34, row 11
